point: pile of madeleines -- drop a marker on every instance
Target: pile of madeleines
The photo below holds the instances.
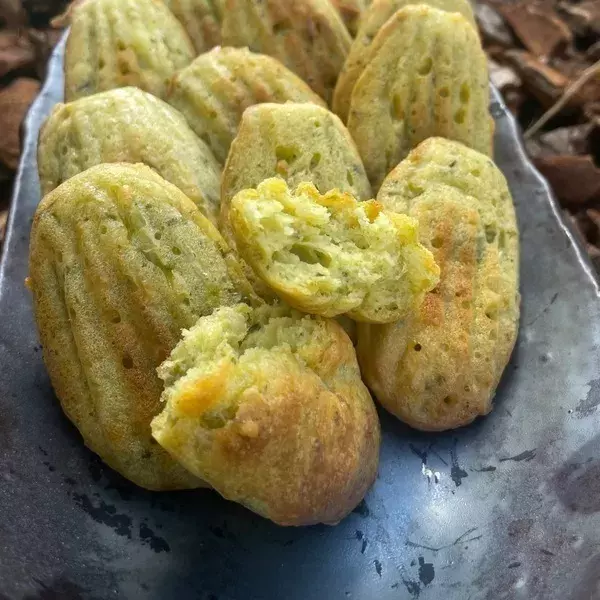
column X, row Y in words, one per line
column 255, row 214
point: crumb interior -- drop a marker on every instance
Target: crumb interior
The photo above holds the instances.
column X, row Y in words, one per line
column 334, row 247
column 215, row 363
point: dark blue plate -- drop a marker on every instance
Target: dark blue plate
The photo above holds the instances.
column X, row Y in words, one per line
column 506, row 508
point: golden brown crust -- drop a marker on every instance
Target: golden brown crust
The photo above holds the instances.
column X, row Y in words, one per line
column 120, row 262
column 119, row 43
column 427, row 76
column 372, row 20
column 301, row 446
column 128, row 125
column 412, row 365
column 307, row 36
column 213, row 92
column 439, row 370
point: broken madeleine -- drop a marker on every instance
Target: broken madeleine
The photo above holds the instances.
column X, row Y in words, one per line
column 268, row 407
column 331, row 254
column 298, row 142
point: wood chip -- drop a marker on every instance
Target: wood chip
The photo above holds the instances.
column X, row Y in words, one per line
column 593, row 217
column 582, row 17
column 5, row 175
column 564, row 140
column 514, row 100
column 576, row 225
column 503, row 76
column 592, row 113
column 594, row 252
column 510, row 84
column 575, row 179
column 43, row 42
column 590, row 92
column 544, row 82
column 573, row 68
column 3, row 220
column 593, row 52
column 12, row 14
column 538, row 26
column 492, row 26
column 571, row 95
column 14, row 104
column 16, row 53
column 587, row 228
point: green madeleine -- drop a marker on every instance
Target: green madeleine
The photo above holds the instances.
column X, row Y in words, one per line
column 120, row 262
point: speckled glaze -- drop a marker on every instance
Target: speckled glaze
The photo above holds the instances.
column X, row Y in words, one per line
column 506, row 508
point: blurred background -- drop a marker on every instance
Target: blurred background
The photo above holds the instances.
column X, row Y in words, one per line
column 544, row 57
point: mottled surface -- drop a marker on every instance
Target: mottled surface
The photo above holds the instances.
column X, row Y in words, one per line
column 507, row 508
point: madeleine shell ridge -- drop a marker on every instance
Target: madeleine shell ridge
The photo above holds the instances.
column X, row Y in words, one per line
column 201, row 20
column 307, row 36
column 119, row 43
column 373, row 19
column 215, row 89
column 439, row 369
column 128, row 125
column 120, row 262
column 268, row 406
column 427, row 76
